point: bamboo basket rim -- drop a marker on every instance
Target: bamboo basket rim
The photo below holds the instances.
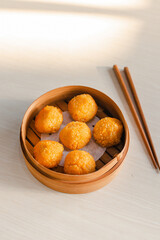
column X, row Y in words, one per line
column 74, row 188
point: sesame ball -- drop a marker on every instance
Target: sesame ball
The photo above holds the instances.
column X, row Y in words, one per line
column 48, row 153
column 49, row 120
column 82, row 108
column 79, row 162
column 75, row 135
column 108, row 131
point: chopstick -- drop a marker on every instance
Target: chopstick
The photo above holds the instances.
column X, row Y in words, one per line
column 135, row 115
column 139, row 107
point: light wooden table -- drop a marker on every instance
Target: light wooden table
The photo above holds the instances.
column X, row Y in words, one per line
column 44, row 45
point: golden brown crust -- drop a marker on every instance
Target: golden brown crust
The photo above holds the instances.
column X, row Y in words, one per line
column 49, row 120
column 82, row 108
column 75, row 135
column 48, row 153
column 108, row 131
column 79, row 162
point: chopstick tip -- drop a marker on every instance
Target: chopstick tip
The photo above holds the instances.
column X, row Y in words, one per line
column 115, row 66
column 126, row 69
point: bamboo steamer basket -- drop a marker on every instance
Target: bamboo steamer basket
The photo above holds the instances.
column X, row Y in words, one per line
column 59, row 97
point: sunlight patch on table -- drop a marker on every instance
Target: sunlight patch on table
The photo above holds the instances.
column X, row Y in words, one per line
column 35, row 39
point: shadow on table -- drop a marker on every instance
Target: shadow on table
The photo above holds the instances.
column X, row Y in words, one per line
column 13, row 172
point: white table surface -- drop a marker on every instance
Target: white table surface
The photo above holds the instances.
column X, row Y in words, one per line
column 49, row 44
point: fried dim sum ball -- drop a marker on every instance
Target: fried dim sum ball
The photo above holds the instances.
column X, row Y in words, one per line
column 82, row 108
column 108, row 131
column 48, row 153
column 49, row 120
column 79, row 162
column 75, row 135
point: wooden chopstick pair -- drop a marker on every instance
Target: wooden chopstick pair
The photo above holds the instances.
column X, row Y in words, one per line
column 139, row 119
